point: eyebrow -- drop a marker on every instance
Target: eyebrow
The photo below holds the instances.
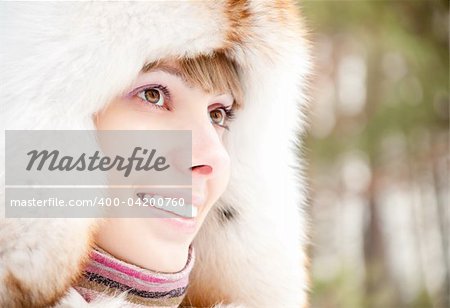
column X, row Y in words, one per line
column 167, row 69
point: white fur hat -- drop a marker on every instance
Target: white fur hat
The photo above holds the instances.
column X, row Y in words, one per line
column 63, row 61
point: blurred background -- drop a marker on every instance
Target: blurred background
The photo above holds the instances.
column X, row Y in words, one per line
column 378, row 153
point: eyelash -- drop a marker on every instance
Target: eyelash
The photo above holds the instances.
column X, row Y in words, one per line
column 229, row 111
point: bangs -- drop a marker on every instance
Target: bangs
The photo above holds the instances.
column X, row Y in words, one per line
column 212, row 73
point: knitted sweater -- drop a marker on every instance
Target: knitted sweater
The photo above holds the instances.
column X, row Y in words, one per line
column 106, row 276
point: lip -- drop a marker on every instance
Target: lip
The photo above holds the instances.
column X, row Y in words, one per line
column 196, row 204
column 184, row 225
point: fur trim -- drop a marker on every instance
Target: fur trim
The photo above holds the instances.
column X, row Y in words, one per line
column 73, row 299
column 61, row 62
column 32, row 273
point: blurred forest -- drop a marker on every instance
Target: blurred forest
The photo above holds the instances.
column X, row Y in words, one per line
column 378, row 153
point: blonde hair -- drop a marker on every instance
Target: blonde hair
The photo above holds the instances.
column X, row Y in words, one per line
column 213, row 73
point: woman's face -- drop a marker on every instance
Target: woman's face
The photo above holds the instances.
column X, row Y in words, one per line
column 161, row 100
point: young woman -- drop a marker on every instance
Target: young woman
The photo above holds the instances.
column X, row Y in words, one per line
column 233, row 73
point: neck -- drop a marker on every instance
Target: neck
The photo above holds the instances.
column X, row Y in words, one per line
column 152, row 251
column 150, row 255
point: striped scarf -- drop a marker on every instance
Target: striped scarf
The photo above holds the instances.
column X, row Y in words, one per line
column 106, row 275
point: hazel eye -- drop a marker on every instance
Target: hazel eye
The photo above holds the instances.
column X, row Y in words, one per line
column 218, row 116
column 153, row 96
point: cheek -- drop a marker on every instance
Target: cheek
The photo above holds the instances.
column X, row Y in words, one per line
column 119, row 115
column 218, row 184
column 112, row 117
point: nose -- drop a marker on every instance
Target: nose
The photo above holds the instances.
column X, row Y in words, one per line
column 209, row 156
column 203, row 159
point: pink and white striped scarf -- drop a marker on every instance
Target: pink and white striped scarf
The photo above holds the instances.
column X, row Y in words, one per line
column 106, row 276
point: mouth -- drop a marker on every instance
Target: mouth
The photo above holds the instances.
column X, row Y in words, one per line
column 169, row 205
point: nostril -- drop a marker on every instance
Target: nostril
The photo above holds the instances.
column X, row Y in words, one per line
column 202, row 169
